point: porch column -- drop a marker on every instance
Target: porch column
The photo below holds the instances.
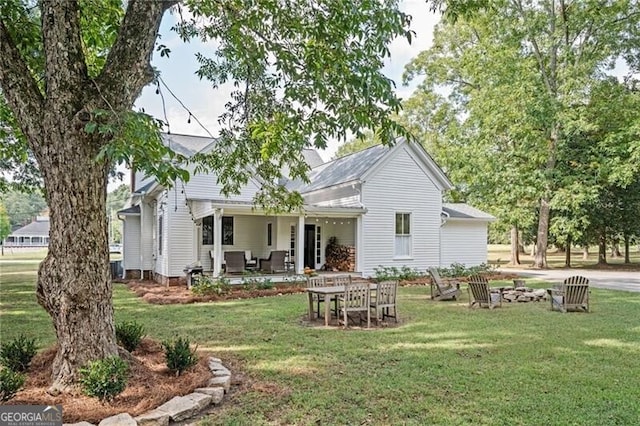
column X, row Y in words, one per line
column 217, row 242
column 359, row 245
column 300, row 246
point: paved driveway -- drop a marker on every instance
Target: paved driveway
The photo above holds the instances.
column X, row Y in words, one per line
column 613, row 280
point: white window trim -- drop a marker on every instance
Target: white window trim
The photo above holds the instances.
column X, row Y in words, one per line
column 408, row 256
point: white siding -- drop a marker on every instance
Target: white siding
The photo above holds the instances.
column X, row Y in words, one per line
column 205, row 186
column 131, row 243
column 464, row 242
column 401, row 185
column 148, row 227
column 179, row 234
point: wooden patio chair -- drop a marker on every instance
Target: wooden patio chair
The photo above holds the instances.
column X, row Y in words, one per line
column 481, row 294
column 320, row 281
column 275, row 262
column 356, row 298
column 572, row 295
column 234, row 261
column 385, row 300
column 441, row 290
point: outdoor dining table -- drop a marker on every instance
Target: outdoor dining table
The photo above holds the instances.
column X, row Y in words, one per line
column 328, row 292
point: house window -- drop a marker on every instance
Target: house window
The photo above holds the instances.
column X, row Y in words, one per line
column 207, row 231
column 403, row 235
column 292, row 244
column 269, row 234
column 160, row 232
column 227, row 230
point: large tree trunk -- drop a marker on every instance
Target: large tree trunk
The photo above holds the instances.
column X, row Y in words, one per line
column 515, row 244
column 615, row 248
column 74, row 285
column 540, row 259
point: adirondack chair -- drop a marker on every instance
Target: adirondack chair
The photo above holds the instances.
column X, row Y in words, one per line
column 385, row 300
column 481, row 294
column 572, row 295
column 441, row 290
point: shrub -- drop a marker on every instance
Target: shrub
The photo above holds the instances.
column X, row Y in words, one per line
column 10, row 383
column 104, row 378
column 205, row 285
column 456, row 270
column 129, row 334
column 404, row 273
column 16, row 354
column 179, row 355
column 258, row 283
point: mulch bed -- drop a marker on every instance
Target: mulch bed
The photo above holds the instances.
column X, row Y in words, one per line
column 150, row 385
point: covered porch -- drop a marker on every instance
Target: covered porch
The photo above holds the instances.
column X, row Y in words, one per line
column 223, row 226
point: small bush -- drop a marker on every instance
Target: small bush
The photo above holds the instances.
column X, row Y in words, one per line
column 104, row 378
column 16, row 355
column 129, row 334
column 10, row 383
column 179, row 355
column 205, row 285
column 404, row 273
column 457, row 270
column 257, row 283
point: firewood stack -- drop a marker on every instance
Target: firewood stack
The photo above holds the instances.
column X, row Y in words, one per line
column 339, row 257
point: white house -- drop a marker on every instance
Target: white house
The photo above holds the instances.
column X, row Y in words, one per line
column 383, row 202
column 35, row 234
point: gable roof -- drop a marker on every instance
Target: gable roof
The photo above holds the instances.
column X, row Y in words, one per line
column 39, row 227
column 360, row 165
column 465, row 211
column 341, row 170
column 186, row 145
column 130, row 211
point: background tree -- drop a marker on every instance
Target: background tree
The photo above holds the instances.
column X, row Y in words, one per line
column 23, row 207
column 70, row 72
column 515, row 72
column 5, row 226
column 116, row 200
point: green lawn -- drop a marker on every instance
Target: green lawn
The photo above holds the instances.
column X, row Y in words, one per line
column 446, row 364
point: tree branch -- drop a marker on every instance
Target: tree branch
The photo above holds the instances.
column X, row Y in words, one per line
column 19, row 88
column 128, row 67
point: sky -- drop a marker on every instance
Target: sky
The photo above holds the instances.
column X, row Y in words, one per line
column 178, row 72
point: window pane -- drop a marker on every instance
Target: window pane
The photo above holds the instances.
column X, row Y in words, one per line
column 406, row 224
column 227, row 230
column 269, row 233
column 207, row 230
column 398, row 223
column 403, row 246
column 160, row 231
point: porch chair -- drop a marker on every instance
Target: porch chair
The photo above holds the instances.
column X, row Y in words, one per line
column 250, row 261
column 572, row 295
column 356, row 298
column 441, row 290
column 275, row 262
column 385, row 300
column 481, row 294
column 234, row 261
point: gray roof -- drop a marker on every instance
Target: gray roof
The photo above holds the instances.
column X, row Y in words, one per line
column 465, row 211
column 312, row 158
column 186, row 144
column 344, row 169
column 134, row 210
column 40, row 227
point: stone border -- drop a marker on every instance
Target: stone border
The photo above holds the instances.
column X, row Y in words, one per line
column 178, row 408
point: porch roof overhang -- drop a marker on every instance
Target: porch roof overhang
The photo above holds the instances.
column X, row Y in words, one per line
column 202, row 208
